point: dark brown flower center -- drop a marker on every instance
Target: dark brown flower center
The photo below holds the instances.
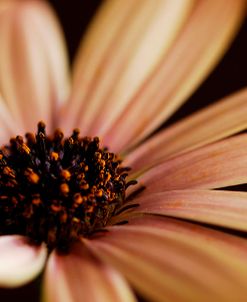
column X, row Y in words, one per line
column 56, row 190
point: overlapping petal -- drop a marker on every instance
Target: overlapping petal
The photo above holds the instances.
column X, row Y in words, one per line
column 169, row 260
column 219, row 208
column 213, row 123
column 8, row 126
column 33, row 67
column 80, row 277
column 123, row 45
column 114, row 81
column 218, row 165
column 20, row 262
column 195, row 52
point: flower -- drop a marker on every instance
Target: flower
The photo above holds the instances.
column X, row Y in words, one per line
column 175, row 238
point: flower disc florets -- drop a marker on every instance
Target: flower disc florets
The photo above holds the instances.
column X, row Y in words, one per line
column 56, row 190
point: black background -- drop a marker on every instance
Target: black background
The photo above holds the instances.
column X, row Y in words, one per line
column 230, row 75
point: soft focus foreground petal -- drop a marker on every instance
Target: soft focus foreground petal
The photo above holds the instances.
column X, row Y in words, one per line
column 196, row 51
column 218, row 165
column 8, row 126
column 123, row 46
column 215, row 122
column 169, row 260
column 221, row 208
column 20, row 262
column 79, row 277
column 32, row 62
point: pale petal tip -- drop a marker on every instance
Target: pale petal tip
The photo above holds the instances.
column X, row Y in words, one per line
column 19, row 261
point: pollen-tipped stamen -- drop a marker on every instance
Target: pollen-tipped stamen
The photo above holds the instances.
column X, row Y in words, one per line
column 56, row 190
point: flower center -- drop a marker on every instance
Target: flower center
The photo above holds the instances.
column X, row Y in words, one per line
column 56, row 190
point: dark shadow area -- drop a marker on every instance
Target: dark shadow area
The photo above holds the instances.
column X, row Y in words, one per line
column 27, row 293
column 75, row 19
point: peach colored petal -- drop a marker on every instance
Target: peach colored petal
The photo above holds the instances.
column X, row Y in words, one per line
column 218, row 165
column 79, row 277
column 32, row 61
column 8, row 126
column 5, row 4
column 196, row 51
column 176, row 261
column 123, row 45
column 220, row 208
column 215, row 122
column 56, row 54
column 19, row 261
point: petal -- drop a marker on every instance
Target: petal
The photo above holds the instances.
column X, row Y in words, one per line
column 220, row 208
column 32, row 62
column 79, row 277
column 215, row 122
column 218, row 165
column 196, row 51
column 169, row 260
column 123, row 45
column 8, row 126
column 20, row 262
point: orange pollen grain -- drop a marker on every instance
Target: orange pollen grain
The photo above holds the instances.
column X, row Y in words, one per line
column 64, row 188
column 99, row 193
column 64, row 217
column 8, row 171
column 31, row 176
column 84, row 186
column 55, row 208
column 26, row 148
column 65, row 174
column 78, row 198
column 108, row 177
column 34, row 178
column 76, row 220
column 54, row 156
column 36, row 201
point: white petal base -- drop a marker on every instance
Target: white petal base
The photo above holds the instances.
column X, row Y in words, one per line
column 19, row 261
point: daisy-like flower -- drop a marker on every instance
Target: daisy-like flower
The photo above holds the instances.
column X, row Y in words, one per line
column 71, row 207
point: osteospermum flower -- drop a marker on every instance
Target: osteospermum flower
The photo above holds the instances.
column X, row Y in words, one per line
column 72, row 207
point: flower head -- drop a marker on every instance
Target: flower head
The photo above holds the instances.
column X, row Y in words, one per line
column 69, row 203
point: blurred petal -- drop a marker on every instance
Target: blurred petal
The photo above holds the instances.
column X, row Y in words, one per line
column 56, row 53
column 8, row 126
column 169, row 260
column 215, row 122
column 4, row 4
column 218, row 165
column 79, row 277
column 123, row 46
column 20, row 262
column 197, row 50
column 32, row 62
column 221, row 208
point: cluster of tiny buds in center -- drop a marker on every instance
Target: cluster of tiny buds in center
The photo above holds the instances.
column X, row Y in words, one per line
column 56, row 189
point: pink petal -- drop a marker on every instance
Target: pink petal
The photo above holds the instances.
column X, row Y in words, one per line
column 32, row 61
column 8, row 126
column 196, row 51
column 220, row 208
column 218, row 165
column 123, row 46
column 80, row 277
column 168, row 260
column 215, row 122
column 20, row 262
